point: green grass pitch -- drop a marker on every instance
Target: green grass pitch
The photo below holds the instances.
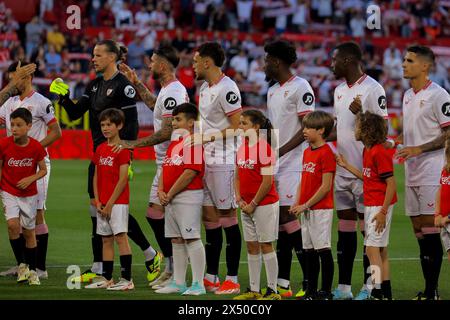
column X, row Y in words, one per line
column 70, row 244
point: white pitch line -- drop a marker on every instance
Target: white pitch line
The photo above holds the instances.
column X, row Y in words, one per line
column 222, row 262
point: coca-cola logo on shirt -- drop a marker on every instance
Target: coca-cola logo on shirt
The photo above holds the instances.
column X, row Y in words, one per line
column 309, row 167
column 107, row 161
column 246, row 164
column 176, row 160
column 27, row 162
column 445, row 180
column 366, row 172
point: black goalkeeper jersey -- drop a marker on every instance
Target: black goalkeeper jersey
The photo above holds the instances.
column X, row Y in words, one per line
column 101, row 94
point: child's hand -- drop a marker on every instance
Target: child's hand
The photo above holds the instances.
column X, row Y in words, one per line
column 380, row 219
column 25, row 182
column 106, row 211
column 445, row 221
column 438, row 221
column 341, row 161
column 248, row 208
column 298, row 209
column 163, row 198
column 241, row 203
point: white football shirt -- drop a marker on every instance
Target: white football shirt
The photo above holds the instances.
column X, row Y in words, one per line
column 170, row 96
column 40, row 107
column 217, row 102
column 424, row 114
column 373, row 99
column 285, row 104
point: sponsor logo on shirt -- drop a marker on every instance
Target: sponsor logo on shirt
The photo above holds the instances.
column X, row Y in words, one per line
column 170, row 103
column 309, row 167
column 308, row 98
column 26, row 162
column 382, row 102
column 129, row 91
column 446, row 109
column 232, row 98
column 246, row 164
column 108, row 161
column 366, row 172
column 176, row 160
column 445, row 180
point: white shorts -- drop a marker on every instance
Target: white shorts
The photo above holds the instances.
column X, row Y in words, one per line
column 153, row 197
column 118, row 222
column 287, row 184
column 183, row 215
column 420, row 200
column 373, row 238
column 23, row 208
column 445, row 236
column 42, row 187
column 316, row 228
column 348, row 193
column 219, row 187
column 262, row 225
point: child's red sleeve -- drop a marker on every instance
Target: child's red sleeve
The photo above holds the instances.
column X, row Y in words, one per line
column 384, row 163
column 328, row 161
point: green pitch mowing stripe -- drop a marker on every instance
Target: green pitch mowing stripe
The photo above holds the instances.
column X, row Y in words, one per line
column 70, row 244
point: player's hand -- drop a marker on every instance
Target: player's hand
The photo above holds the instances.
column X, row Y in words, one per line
column 380, row 220
column 59, row 87
column 122, row 144
column 129, row 73
column 438, row 221
column 408, row 152
column 25, row 182
column 356, row 105
column 21, row 73
column 341, row 161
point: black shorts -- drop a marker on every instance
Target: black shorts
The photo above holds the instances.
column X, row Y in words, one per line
column 91, row 171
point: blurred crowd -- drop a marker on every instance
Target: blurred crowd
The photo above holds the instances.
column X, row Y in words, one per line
column 233, row 23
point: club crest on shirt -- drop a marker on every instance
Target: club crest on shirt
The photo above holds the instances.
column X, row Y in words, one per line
column 108, row 92
column 339, row 96
column 421, row 103
column 286, row 93
column 309, row 167
column 94, row 89
column 446, row 109
column 212, row 97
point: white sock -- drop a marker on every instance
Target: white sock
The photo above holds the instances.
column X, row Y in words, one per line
column 180, row 256
column 196, row 253
column 232, row 278
column 283, row 283
column 211, row 277
column 271, row 264
column 254, row 271
column 149, row 253
column 169, row 264
column 97, row 267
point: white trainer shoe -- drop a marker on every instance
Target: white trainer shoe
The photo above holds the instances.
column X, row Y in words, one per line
column 11, row 272
column 100, row 283
column 42, row 274
column 122, row 285
column 172, row 287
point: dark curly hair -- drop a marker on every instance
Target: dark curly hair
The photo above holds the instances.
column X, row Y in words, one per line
column 283, row 50
column 372, row 128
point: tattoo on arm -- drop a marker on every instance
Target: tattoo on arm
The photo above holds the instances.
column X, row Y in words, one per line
column 437, row 143
column 147, row 97
column 158, row 137
column 6, row 93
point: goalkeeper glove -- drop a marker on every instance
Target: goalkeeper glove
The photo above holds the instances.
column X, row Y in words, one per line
column 130, row 172
column 59, row 87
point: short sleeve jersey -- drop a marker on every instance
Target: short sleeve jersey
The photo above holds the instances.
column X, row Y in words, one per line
column 169, row 97
column 377, row 167
column 316, row 162
column 180, row 158
column 425, row 113
column 118, row 93
column 41, row 109
column 217, row 102
column 108, row 165
column 250, row 161
column 373, row 99
column 19, row 162
column 285, row 104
